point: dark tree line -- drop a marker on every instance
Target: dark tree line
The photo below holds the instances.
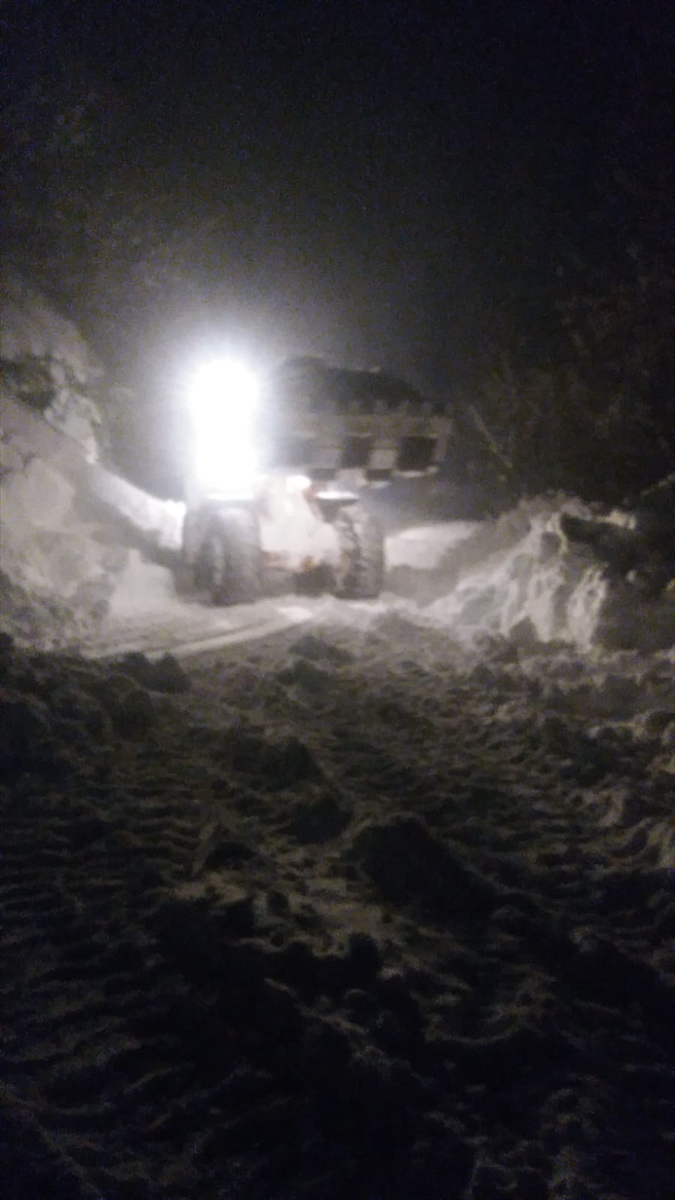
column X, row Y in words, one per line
column 596, row 415
column 599, row 420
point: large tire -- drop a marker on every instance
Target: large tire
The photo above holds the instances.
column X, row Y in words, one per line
column 360, row 575
column 230, row 563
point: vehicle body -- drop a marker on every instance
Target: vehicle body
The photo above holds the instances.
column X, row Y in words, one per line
column 323, row 437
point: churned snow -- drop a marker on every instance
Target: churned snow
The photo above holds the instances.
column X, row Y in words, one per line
column 346, row 911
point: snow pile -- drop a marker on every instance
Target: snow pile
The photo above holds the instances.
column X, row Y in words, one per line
column 159, row 521
column 66, row 523
column 56, row 575
column 67, row 528
column 520, row 577
column 526, row 571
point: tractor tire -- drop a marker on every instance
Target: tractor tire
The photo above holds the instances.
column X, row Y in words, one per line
column 230, row 564
column 360, row 575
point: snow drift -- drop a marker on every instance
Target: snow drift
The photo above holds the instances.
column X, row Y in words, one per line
column 67, row 528
column 519, row 576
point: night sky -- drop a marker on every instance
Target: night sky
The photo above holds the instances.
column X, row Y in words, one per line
column 397, row 184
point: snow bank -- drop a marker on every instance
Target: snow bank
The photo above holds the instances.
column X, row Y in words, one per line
column 521, row 568
column 67, row 527
column 519, row 576
column 161, row 521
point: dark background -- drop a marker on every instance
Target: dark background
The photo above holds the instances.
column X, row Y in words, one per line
column 413, row 186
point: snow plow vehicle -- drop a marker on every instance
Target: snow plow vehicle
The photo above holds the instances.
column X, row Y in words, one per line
column 279, row 473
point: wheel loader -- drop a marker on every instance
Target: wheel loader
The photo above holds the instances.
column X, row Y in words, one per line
column 277, row 479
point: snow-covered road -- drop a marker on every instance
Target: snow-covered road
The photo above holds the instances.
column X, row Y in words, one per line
column 148, row 613
column 183, row 629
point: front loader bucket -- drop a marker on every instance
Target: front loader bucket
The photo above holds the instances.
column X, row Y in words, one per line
column 321, row 422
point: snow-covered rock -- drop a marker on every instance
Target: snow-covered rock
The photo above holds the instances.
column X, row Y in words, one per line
column 47, row 363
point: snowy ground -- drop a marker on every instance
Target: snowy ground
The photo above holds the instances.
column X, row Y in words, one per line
column 346, row 911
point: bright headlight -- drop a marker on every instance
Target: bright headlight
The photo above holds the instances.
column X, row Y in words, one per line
column 223, row 402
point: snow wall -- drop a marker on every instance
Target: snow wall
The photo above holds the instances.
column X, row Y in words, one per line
column 67, row 529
